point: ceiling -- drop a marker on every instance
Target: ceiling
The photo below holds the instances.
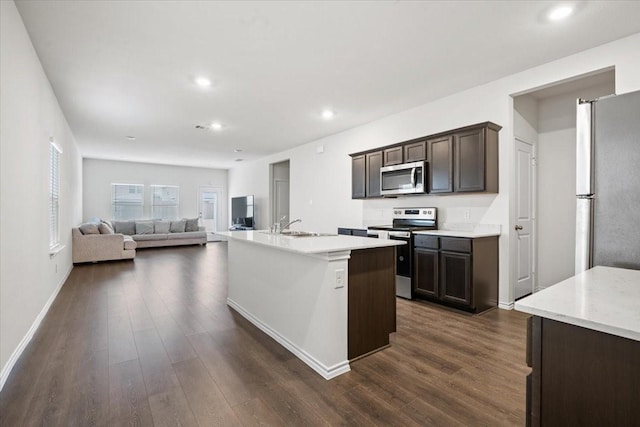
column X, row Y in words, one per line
column 127, row 68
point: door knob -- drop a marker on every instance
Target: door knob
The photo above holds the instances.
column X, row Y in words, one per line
column 518, row 227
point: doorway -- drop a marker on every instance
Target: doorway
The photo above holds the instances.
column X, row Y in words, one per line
column 208, row 201
column 525, row 218
column 280, row 192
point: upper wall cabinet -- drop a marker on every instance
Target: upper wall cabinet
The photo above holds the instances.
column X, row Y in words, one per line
column 393, row 156
column 415, row 152
column 462, row 160
column 440, row 164
column 374, row 163
column 358, row 177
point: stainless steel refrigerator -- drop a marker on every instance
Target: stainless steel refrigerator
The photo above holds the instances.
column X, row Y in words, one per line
column 608, row 182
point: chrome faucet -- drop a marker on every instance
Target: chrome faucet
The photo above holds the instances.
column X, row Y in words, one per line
column 282, row 228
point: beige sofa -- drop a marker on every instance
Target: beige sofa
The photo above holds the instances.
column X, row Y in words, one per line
column 101, row 247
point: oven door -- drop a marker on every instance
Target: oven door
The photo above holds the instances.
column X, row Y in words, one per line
column 403, row 264
column 407, row 178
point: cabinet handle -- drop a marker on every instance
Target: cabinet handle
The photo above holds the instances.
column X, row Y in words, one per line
column 518, row 227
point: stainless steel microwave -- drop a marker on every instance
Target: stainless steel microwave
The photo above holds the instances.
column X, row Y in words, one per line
column 407, row 178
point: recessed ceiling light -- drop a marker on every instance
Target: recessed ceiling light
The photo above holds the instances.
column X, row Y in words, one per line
column 203, row 81
column 130, row 138
column 559, row 13
column 328, row 114
column 237, row 150
column 216, row 126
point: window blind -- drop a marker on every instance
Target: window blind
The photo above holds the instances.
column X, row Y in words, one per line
column 127, row 201
column 164, row 201
column 54, row 195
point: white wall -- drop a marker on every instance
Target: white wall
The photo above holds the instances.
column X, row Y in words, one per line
column 100, row 174
column 30, row 115
column 320, row 183
column 557, row 183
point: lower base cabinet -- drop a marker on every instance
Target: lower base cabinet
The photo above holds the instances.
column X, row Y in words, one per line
column 460, row 272
column 581, row 377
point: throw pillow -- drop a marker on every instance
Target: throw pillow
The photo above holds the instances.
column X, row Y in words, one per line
column 89, row 228
column 125, row 227
column 178, row 226
column 162, row 227
column 144, row 227
column 104, row 221
column 104, row 228
column 191, row 224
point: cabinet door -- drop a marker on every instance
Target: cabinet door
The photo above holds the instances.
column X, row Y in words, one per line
column 469, row 161
column 415, row 152
column 425, row 272
column 455, row 277
column 440, row 156
column 393, row 156
column 358, row 177
column 374, row 163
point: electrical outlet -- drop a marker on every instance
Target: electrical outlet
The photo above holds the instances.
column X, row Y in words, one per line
column 339, row 278
column 56, row 268
column 467, row 214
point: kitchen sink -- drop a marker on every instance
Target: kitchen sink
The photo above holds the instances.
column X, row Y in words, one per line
column 296, row 233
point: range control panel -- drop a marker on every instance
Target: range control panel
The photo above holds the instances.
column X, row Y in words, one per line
column 414, row 213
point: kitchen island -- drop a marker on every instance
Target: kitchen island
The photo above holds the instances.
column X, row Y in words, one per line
column 584, row 346
column 327, row 299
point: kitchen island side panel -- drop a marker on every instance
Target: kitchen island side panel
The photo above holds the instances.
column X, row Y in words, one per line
column 292, row 297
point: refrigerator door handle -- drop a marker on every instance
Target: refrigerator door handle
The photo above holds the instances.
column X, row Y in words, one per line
column 584, row 234
column 584, row 147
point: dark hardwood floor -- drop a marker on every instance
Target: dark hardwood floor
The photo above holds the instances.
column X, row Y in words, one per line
column 152, row 342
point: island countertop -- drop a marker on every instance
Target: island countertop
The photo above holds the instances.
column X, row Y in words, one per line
column 604, row 299
column 310, row 245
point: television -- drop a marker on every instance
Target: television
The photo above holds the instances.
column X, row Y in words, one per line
column 242, row 215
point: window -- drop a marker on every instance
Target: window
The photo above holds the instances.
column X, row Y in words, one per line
column 164, row 201
column 127, row 201
column 54, row 194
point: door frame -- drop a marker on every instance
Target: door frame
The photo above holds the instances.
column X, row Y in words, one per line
column 219, row 194
column 534, row 217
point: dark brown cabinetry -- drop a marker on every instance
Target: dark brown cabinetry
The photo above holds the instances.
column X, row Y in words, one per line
column 469, row 160
column 580, row 376
column 393, row 156
column 457, row 271
column 459, row 161
column 415, row 152
column 440, row 164
column 373, row 165
column 358, row 177
column 371, row 300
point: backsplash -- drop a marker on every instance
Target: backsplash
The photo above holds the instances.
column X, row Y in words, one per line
column 454, row 212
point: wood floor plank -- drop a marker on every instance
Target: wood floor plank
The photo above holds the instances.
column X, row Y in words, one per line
column 170, row 409
column 152, row 342
column 255, row 412
column 157, row 371
column 128, row 403
column 205, row 398
column 175, row 342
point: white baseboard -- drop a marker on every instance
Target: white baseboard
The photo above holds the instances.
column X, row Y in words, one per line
column 505, row 305
column 6, row 369
column 327, row 372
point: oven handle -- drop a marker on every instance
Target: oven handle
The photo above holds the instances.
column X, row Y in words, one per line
column 400, row 234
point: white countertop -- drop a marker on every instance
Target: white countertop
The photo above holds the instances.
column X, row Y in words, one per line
column 604, row 299
column 473, row 234
column 310, row 245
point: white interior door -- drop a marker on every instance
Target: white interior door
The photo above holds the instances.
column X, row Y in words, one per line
column 281, row 193
column 525, row 219
column 208, row 198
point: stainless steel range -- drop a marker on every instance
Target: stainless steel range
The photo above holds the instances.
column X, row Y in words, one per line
column 405, row 222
